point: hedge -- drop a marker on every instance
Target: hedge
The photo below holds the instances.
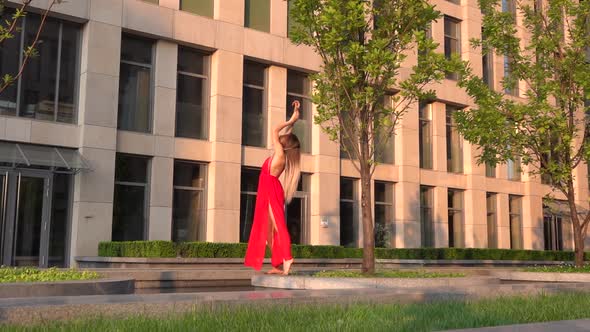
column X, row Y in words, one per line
column 238, row 250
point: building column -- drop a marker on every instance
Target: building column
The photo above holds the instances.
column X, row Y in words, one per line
column 162, row 165
column 441, row 217
column 503, row 220
column 223, row 186
column 97, row 115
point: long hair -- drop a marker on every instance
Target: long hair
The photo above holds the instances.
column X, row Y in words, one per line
column 291, row 145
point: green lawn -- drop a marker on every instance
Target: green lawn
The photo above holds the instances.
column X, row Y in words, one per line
column 388, row 274
column 30, row 274
column 560, row 268
column 358, row 317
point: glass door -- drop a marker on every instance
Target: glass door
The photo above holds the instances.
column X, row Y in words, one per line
column 3, row 199
column 296, row 215
column 26, row 218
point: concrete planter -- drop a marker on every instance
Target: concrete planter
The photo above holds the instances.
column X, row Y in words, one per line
column 67, row 288
column 308, row 282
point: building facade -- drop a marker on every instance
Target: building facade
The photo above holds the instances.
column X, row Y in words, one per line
column 149, row 120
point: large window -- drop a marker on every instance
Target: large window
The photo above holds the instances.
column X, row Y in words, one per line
column 257, row 14
column 452, row 41
column 135, row 84
column 297, row 212
column 199, row 7
column 455, row 218
column 348, row 213
column 385, row 139
column 454, row 143
column 192, row 94
column 513, row 168
column 426, row 216
column 298, row 88
column 487, row 61
column 47, row 88
column 514, row 209
column 189, row 210
column 490, row 170
column 510, row 89
column 491, row 203
column 131, row 197
column 425, row 135
column 248, row 191
column 253, row 105
column 384, row 223
column 553, row 231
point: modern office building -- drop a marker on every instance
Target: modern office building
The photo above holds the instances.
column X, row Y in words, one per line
column 149, row 120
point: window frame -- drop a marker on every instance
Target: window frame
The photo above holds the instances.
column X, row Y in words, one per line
column 264, row 89
column 203, row 190
column 309, row 118
column 390, row 205
column 421, row 146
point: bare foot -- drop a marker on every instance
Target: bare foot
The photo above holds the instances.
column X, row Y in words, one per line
column 287, row 266
column 274, row 270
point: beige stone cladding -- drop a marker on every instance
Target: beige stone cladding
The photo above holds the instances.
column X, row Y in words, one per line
column 227, row 44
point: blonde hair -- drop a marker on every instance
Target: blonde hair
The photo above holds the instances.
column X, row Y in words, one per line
column 291, row 145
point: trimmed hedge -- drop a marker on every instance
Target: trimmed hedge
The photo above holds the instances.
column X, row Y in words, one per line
column 238, row 250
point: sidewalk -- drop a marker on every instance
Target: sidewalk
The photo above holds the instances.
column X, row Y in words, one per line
column 581, row 325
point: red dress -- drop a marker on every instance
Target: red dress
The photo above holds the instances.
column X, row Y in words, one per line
column 270, row 193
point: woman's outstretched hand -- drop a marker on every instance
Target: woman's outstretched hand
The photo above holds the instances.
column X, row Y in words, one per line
column 295, row 115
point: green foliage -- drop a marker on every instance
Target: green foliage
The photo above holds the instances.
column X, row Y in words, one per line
column 238, row 250
column 387, row 274
column 30, row 274
column 418, row 317
column 568, row 268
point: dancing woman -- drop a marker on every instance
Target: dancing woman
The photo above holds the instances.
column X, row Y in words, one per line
column 269, row 226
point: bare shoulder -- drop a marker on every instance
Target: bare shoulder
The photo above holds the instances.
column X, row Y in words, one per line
column 277, row 164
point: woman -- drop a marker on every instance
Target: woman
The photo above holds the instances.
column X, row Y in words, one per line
column 269, row 227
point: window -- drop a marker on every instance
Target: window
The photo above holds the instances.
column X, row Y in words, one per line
column 152, row 1
column 253, row 105
column 188, row 203
column 426, row 216
column 248, row 191
column 428, row 35
column 384, row 222
column 454, row 143
column 199, row 7
column 299, row 88
column 513, row 168
column 192, row 94
column 257, row 15
column 385, row 139
column 131, row 197
column 487, row 61
column 509, row 6
column 553, row 231
column 455, row 218
column 348, row 213
column 46, row 89
column 452, row 41
column 457, row 2
column 135, row 84
column 514, row 210
column 297, row 212
column 509, row 88
column 425, row 135
column 490, row 171
column 491, row 202
column 348, row 144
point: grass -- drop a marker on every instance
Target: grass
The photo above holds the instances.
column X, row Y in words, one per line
column 560, row 268
column 352, row 317
column 30, row 274
column 388, row 274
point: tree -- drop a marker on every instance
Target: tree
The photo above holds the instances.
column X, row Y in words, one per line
column 547, row 128
column 363, row 44
column 9, row 27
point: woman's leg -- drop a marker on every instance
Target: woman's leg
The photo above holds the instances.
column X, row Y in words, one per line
column 270, row 241
column 281, row 250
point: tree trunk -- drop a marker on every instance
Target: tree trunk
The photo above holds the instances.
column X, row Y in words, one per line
column 579, row 237
column 368, row 237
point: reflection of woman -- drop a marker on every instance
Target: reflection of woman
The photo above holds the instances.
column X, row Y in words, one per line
column 269, row 226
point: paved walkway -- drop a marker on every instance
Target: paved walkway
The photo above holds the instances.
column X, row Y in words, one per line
column 582, row 325
column 30, row 310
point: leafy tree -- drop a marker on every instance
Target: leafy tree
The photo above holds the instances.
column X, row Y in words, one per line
column 9, row 27
column 363, row 45
column 547, row 127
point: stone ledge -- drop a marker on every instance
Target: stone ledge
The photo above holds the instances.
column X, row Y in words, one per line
column 306, row 282
column 542, row 276
column 67, row 288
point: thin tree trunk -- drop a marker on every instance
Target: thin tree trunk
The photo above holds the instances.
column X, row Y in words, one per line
column 368, row 237
column 579, row 237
